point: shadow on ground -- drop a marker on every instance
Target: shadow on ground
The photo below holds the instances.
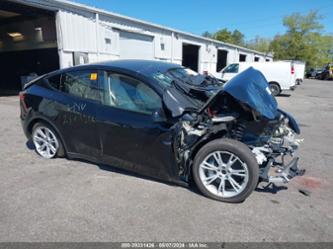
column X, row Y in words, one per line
column 285, row 95
column 8, row 93
column 268, row 188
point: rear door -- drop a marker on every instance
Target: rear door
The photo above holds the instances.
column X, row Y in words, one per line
column 74, row 109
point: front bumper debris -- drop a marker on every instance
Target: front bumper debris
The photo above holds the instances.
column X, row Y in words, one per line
column 283, row 173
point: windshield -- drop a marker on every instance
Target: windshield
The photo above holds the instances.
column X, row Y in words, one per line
column 187, row 76
column 232, row 68
column 181, row 73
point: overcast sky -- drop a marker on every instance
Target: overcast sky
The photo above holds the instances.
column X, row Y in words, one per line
column 256, row 17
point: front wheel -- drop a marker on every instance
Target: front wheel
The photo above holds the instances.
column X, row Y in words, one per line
column 225, row 170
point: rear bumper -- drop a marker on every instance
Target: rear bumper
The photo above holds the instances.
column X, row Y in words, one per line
column 25, row 128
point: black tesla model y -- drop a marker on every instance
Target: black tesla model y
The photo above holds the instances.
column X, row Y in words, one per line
column 164, row 121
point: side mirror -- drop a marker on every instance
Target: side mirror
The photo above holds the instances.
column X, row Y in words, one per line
column 159, row 116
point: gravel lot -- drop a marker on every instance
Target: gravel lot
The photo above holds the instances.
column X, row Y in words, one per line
column 62, row 200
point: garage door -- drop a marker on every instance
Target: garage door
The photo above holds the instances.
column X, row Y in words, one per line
column 136, row 46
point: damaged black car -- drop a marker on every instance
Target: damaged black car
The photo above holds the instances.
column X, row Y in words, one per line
column 165, row 121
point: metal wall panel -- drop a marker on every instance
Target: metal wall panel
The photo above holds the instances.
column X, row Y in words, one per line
column 96, row 32
column 78, row 31
column 136, row 46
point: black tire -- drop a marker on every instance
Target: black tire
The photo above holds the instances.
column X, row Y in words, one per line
column 60, row 150
column 274, row 88
column 242, row 152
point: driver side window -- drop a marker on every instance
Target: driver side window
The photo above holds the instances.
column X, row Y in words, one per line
column 126, row 93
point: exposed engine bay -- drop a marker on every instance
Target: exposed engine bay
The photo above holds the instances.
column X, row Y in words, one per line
column 248, row 114
column 272, row 142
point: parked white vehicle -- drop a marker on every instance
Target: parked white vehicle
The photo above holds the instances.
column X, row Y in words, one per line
column 299, row 71
column 280, row 75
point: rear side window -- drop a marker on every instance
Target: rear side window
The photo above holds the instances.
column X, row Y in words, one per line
column 232, row 68
column 54, row 81
column 83, row 84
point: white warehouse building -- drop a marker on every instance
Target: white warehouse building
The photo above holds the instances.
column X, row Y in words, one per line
column 38, row 36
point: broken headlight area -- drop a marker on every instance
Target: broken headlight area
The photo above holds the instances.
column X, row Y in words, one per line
column 245, row 111
column 273, row 142
column 276, row 158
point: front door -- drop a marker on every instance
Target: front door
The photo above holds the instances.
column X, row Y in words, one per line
column 129, row 136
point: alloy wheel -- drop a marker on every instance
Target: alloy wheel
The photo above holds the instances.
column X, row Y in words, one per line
column 45, row 141
column 224, row 174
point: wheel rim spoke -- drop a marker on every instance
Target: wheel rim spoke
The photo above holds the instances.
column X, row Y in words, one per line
column 218, row 159
column 234, row 184
column 238, row 172
column 48, row 151
column 47, row 133
column 43, row 146
column 41, row 133
column 232, row 160
column 211, row 179
column 52, row 148
column 39, row 139
column 221, row 187
column 208, row 166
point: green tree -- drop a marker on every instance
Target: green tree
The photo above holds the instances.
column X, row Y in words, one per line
column 325, row 50
column 259, row 44
column 207, row 34
column 302, row 40
column 223, row 35
column 234, row 37
column 238, row 37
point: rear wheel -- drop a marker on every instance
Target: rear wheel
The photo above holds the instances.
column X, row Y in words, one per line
column 46, row 141
column 225, row 170
column 274, row 88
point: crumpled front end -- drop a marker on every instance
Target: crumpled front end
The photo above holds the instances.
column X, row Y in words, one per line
column 277, row 158
column 244, row 111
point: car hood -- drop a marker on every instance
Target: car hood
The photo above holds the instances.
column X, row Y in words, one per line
column 249, row 87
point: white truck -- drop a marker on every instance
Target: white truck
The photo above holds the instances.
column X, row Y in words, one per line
column 280, row 74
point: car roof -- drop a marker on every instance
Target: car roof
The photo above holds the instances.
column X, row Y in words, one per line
column 145, row 67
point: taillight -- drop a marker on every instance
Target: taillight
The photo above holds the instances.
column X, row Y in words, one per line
column 292, row 70
column 22, row 101
column 21, row 96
